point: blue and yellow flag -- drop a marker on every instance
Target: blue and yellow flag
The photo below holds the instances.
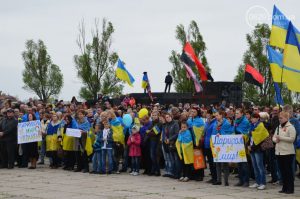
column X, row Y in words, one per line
column 282, row 73
column 291, row 59
column 185, row 148
column 278, row 97
column 279, row 28
column 197, row 127
column 145, row 81
column 118, row 131
column 123, row 74
column 280, row 24
column 275, row 60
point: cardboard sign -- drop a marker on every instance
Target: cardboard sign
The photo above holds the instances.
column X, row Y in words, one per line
column 73, row 132
column 228, row 148
column 29, row 132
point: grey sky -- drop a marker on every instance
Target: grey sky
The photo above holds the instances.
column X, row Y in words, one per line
column 144, row 35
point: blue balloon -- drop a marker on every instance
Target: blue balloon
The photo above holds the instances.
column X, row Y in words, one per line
column 127, row 120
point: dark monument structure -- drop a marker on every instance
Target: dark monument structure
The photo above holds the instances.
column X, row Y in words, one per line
column 213, row 92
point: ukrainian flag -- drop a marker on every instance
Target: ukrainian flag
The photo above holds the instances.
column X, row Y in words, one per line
column 145, row 81
column 197, row 127
column 123, row 74
column 185, row 148
column 280, row 25
column 291, row 59
column 156, row 130
column 275, row 60
column 117, row 128
column 90, row 139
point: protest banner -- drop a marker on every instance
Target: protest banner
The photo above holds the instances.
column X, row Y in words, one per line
column 73, row 132
column 29, row 132
column 228, row 148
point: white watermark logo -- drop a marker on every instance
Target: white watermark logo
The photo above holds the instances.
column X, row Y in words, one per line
column 257, row 15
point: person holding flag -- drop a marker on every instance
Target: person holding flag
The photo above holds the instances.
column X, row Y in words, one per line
column 146, row 85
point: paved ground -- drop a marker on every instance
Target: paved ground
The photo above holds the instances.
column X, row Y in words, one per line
column 47, row 183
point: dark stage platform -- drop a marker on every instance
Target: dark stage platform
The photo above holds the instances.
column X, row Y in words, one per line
column 214, row 92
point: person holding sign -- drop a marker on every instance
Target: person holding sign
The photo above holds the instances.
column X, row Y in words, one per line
column 242, row 126
column 8, row 139
column 30, row 150
column 82, row 157
column 222, row 127
column 258, row 133
column 53, row 138
column 69, row 143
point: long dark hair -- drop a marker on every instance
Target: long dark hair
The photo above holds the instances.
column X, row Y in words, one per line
column 33, row 116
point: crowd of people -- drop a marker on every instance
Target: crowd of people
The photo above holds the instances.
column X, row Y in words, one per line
column 157, row 137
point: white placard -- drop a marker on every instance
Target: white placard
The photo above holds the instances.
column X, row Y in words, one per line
column 228, row 148
column 73, row 132
column 29, row 132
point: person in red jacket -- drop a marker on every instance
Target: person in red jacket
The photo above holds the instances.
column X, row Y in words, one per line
column 134, row 143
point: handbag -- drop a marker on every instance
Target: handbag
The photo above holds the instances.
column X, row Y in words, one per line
column 199, row 162
column 267, row 144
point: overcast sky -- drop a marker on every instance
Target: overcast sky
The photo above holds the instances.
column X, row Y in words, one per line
column 144, row 34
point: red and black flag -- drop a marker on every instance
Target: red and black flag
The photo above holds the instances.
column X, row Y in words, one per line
column 189, row 57
column 252, row 76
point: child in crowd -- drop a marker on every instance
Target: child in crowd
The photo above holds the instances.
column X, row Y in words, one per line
column 184, row 145
column 106, row 140
column 134, row 143
column 97, row 157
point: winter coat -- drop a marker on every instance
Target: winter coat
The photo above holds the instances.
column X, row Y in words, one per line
column 9, row 129
column 287, row 136
column 134, row 145
column 208, row 130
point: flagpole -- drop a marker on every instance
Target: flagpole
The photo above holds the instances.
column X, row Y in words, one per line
column 281, row 80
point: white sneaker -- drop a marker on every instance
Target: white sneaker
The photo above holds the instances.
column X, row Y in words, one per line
column 181, row 179
column 261, row 187
column 185, row 179
column 131, row 173
column 255, row 185
column 136, row 174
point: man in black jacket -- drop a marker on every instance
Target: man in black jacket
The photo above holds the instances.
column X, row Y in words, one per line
column 168, row 81
column 8, row 139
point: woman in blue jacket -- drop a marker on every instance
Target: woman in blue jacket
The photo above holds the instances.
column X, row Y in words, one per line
column 208, row 130
column 242, row 126
column 222, row 127
column 196, row 126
